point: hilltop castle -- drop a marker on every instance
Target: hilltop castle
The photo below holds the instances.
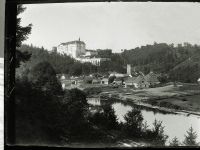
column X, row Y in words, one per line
column 76, row 49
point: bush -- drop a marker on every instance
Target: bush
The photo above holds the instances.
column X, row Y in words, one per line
column 133, row 122
column 152, row 102
column 105, row 118
column 168, row 105
column 92, row 90
column 88, row 81
column 183, row 99
column 165, row 104
column 156, row 136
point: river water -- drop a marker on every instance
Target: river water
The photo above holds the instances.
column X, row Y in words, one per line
column 175, row 124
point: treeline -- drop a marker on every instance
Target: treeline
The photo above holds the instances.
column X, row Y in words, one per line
column 67, row 65
column 186, row 74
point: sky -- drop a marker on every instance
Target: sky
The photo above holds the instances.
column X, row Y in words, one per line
column 2, row 22
column 114, row 25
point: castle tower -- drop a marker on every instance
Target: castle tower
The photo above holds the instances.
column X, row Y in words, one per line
column 128, row 69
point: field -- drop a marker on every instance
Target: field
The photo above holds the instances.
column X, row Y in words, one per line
column 191, row 103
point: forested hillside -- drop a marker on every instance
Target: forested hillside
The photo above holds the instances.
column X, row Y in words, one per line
column 177, row 62
column 65, row 64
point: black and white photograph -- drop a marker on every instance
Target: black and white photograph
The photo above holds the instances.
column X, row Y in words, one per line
column 107, row 74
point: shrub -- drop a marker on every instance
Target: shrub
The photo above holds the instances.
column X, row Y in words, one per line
column 133, row 122
column 92, row 90
column 183, row 99
column 165, row 104
column 152, row 102
column 88, row 81
column 105, row 118
column 156, row 136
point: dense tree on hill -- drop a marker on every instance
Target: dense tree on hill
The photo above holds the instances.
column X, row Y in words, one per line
column 185, row 74
column 76, row 69
column 44, row 77
column 21, row 35
column 106, row 53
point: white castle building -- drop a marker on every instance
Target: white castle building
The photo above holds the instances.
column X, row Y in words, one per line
column 76, row 49
column 73, row 48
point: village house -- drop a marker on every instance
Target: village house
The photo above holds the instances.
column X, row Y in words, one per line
column 128, row 82
column 96, row 81
column 104, row 81
column 151, row 78
column 198, row 80
column 117, row 81
column 140, row 82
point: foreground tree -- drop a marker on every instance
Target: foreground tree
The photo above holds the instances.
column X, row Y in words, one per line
column 21, row 35
column 105, row 119
column 44, row 77
column 174, row 142
column 133, row 122
column 190, row 138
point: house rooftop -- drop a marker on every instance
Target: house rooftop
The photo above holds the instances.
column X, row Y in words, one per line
column 151, row 77
column 104, row 79
column 130, row 79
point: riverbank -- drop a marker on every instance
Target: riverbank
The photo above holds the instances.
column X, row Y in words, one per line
column 187, row 100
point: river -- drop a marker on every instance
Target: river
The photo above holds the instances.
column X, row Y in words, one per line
column 175, row 124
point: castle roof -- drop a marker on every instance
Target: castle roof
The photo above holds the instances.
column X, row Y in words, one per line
column 73, row 42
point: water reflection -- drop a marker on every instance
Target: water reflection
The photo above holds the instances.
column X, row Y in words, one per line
column 175, row 124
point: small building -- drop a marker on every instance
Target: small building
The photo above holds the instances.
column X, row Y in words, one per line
column 63, row 85
column 118, row 81
column 88, row 79
column 73, row 82
column 151, row 78
column 198, row 80
column 104, row 81
column 58, row 76
column 96, row 81
column 62, row 77
column 140, row 82
column 129, row 81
